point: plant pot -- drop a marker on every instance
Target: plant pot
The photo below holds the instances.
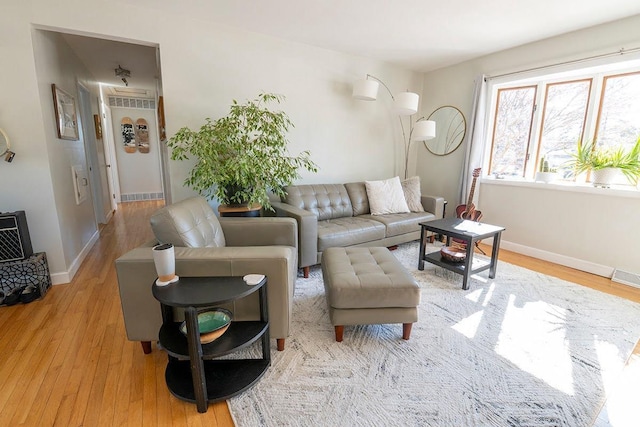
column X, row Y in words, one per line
column 232, row 190
column 546, row 176
column 605, row 177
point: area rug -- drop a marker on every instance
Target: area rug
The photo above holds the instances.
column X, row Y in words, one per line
column 523, row 349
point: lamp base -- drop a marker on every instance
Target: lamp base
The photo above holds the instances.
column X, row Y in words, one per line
column 162, row 283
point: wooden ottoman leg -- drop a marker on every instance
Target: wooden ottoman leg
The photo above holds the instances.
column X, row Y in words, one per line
column 339, row 332
column 305, row 272
column 280, row 344
column 406, row 330
column 146, row 346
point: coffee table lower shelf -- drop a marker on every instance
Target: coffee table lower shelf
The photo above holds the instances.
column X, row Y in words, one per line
column 225, row 378
column 457, row 267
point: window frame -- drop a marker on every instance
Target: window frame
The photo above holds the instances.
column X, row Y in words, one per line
column 597, row 74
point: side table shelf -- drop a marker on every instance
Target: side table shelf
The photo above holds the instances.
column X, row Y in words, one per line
column 193, row 373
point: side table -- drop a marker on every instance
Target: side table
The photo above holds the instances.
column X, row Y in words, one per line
column 192, row 374
column 243, row 211
column 469, row 232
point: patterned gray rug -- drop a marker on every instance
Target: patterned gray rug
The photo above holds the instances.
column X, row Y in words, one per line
column 523, row 349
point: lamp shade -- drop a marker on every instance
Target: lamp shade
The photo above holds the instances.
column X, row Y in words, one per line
column 423, row 130
column 366, row 90
column 406, row 103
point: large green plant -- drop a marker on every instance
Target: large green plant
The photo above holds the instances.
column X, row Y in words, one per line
column 589, row 157
column 243, row 156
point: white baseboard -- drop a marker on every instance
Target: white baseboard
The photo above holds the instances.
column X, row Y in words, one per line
column 567, row 261
column 66, row 277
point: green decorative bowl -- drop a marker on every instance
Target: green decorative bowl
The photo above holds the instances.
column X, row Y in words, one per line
column 212, row 323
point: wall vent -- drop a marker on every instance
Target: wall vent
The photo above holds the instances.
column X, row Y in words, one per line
column 139, row 103
column 626, row 278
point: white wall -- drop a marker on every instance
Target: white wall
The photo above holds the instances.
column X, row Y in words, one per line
column 137, row 172
column 58, row 226
column 204, row 67
column 539, row 219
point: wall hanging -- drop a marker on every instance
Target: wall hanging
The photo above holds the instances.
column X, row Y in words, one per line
column 142, row 135
column 5, row 147
column 64, row 106
column 128, row 135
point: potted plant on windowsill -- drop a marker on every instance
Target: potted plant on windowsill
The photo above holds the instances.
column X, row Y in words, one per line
column 606, row 162
column 242, row 156
column 545, row 173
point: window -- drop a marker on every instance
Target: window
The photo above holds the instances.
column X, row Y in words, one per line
column 563, row 120
column 514, row 111
column 619, row 118
column 544, row 120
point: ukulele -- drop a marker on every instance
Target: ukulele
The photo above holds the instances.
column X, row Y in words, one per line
column 469, row 211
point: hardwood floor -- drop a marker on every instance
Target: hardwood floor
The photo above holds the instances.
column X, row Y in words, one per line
column 65, row 359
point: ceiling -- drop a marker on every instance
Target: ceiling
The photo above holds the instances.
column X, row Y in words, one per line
column 421, row 35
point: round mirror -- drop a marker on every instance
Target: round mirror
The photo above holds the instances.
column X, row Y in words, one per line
column 450, row 129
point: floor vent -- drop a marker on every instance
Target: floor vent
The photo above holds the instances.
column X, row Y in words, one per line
column 626, row 278
column 135, row 197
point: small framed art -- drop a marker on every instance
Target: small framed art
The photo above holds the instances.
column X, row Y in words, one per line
column 64, row 106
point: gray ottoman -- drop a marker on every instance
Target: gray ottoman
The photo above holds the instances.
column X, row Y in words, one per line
column 366, row 286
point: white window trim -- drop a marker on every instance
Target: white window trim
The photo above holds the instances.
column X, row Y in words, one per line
column 590, row 69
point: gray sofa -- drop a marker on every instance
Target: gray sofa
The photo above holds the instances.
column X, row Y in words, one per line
column 208, row 246
column 338, row 215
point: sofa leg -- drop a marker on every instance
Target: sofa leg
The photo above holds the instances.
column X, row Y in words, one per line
column 305, row 272
column 406, row 330
column 146, row 346
column 392, row 248
column 339, row 333
column 280, row 344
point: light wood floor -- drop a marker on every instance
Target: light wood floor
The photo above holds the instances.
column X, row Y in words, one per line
column 65, row 360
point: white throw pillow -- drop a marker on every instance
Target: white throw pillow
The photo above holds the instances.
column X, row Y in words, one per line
column 412, row 194
column 386, row 197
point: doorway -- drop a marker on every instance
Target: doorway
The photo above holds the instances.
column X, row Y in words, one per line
column 121, row 177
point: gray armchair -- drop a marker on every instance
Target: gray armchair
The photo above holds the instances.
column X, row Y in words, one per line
column 208, row 246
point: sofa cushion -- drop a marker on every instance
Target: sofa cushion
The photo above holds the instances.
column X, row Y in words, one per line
column 358, row 195
column 386, row 196
column 348, row 232
column 326, row 201
column 412, row 194
column 189, row 223
column 397, row 224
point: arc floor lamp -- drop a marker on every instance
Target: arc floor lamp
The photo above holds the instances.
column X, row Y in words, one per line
column 404, row 104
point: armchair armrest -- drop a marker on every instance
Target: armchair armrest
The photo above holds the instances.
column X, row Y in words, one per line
column 260, row 231
column 433, row 204
column 307, row 232
column 136, row 273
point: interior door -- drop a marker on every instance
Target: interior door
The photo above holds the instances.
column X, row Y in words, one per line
column 91, row 151
column 111, row 167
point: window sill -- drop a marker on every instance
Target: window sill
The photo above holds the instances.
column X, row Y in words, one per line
column 614, row 191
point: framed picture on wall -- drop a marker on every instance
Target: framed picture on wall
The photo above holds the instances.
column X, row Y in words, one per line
column 64, row 106
column 161, row 124
column 98, row 125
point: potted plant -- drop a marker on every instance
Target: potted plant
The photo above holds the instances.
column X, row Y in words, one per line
column 607, row 162
column 545, row 173
column 242, row 156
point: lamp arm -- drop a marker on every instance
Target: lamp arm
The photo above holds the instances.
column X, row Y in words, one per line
column 407, row 143
column 383, row 84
